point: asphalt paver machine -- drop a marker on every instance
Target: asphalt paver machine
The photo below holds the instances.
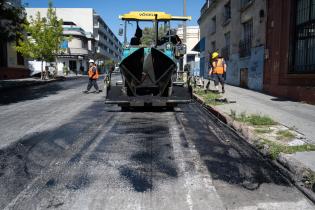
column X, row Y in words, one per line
column 149, row 72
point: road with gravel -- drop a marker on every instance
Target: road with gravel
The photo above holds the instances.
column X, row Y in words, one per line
column 61, row 149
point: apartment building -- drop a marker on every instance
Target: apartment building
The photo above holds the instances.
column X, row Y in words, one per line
column 237, row 29
column 91, row 37
column 290, row 50
column 12, row 63
column 192, row 38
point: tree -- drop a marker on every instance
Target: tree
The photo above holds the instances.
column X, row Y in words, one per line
column 11, row 20
column 148, row 37
column 43, row 37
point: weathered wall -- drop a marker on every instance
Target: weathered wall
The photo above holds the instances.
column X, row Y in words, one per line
column 277, row 79
column 255, row 62
column 255, row 66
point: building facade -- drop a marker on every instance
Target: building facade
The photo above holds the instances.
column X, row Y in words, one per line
column 12, row 63
column 91, row 38
column 235, row 28
column 290, row 50
column 192, row 38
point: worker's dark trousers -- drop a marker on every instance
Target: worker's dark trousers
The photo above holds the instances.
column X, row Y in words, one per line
column 92, row 82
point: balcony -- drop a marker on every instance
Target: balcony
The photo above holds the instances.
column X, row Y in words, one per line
column 246, row 4
column 208, row 5
column 225, row 52
column 245, row 47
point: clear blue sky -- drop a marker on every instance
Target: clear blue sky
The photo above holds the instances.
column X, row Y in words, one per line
column 111, row 9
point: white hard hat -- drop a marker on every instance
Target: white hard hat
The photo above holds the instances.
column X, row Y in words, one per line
column 91, row 61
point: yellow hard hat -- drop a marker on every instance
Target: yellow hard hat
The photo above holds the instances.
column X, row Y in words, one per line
column 215, row 55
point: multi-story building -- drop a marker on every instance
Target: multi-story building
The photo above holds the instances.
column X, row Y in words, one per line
column 192, row 38
column 235, row 28
column 91, row 37
column 12, row 63
column 290, row 51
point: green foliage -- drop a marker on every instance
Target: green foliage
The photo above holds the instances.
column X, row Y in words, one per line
column 263, row 130
column 254, row 119
column 275, row 148
column 209, row 97
column 43, row 37
column 148, row 37
column 285, row 134
column 11, row 21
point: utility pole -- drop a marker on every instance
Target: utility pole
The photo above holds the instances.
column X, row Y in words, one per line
column 184, row 23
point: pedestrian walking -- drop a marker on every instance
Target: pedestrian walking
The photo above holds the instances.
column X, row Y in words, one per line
column 209, row 72
column 81, row 69
column 218, row 71
column 65, row 69
column 93, row 76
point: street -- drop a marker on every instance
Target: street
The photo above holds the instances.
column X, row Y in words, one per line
column 62, row 149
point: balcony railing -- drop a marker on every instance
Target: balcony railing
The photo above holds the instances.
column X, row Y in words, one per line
column 207, row 5
column 245, row 47
column 225, row 52
column 246, row 3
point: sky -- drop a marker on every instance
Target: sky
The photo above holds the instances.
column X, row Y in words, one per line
column 111, row 9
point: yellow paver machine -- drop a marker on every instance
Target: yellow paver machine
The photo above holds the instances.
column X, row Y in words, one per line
column 149, row 71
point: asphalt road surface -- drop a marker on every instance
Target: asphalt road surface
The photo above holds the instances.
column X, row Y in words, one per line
column 61, row 149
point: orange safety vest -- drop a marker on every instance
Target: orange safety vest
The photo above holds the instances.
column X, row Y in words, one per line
column 91, row 73
column 218, row 66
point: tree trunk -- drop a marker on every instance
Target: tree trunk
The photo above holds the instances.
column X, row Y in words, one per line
column 42, row 71
column 56, row 66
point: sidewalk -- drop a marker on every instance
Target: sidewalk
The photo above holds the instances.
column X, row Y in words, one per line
column 291, row 114
column 294, row 116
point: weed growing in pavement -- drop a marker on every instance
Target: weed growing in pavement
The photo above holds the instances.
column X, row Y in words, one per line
column 254, row 119
column 233, row 114
column 275, row 148
column 209, row 97
column 285, row 135
column 263, row 130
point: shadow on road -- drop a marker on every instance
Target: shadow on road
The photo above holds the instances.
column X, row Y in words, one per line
column 28, row 93
column 143, row 149
column 227, row 157
column 32, row 156
column 19, row 94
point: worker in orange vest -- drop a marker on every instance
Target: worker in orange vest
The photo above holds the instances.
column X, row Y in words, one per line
column 218, row 71
column 93, row 76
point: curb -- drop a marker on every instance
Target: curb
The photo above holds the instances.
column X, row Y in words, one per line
column 296, row 171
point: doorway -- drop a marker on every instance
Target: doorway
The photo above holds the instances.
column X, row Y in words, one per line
column 244, row 78
column 73, row 66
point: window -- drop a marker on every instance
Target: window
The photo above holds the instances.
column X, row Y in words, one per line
column 227, row 38
column 246, row 43
column 190, row 58
column 227, row 11
column 244, row 3
column 20, row 59
column 3, row 54
column 226, row 50
column 304, row 43
column 214, row 24
column 213, row 46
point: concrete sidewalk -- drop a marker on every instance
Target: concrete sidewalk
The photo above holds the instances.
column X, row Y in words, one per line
column 296, row 115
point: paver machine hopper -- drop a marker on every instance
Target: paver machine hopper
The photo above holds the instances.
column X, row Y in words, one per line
column 149, row 72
